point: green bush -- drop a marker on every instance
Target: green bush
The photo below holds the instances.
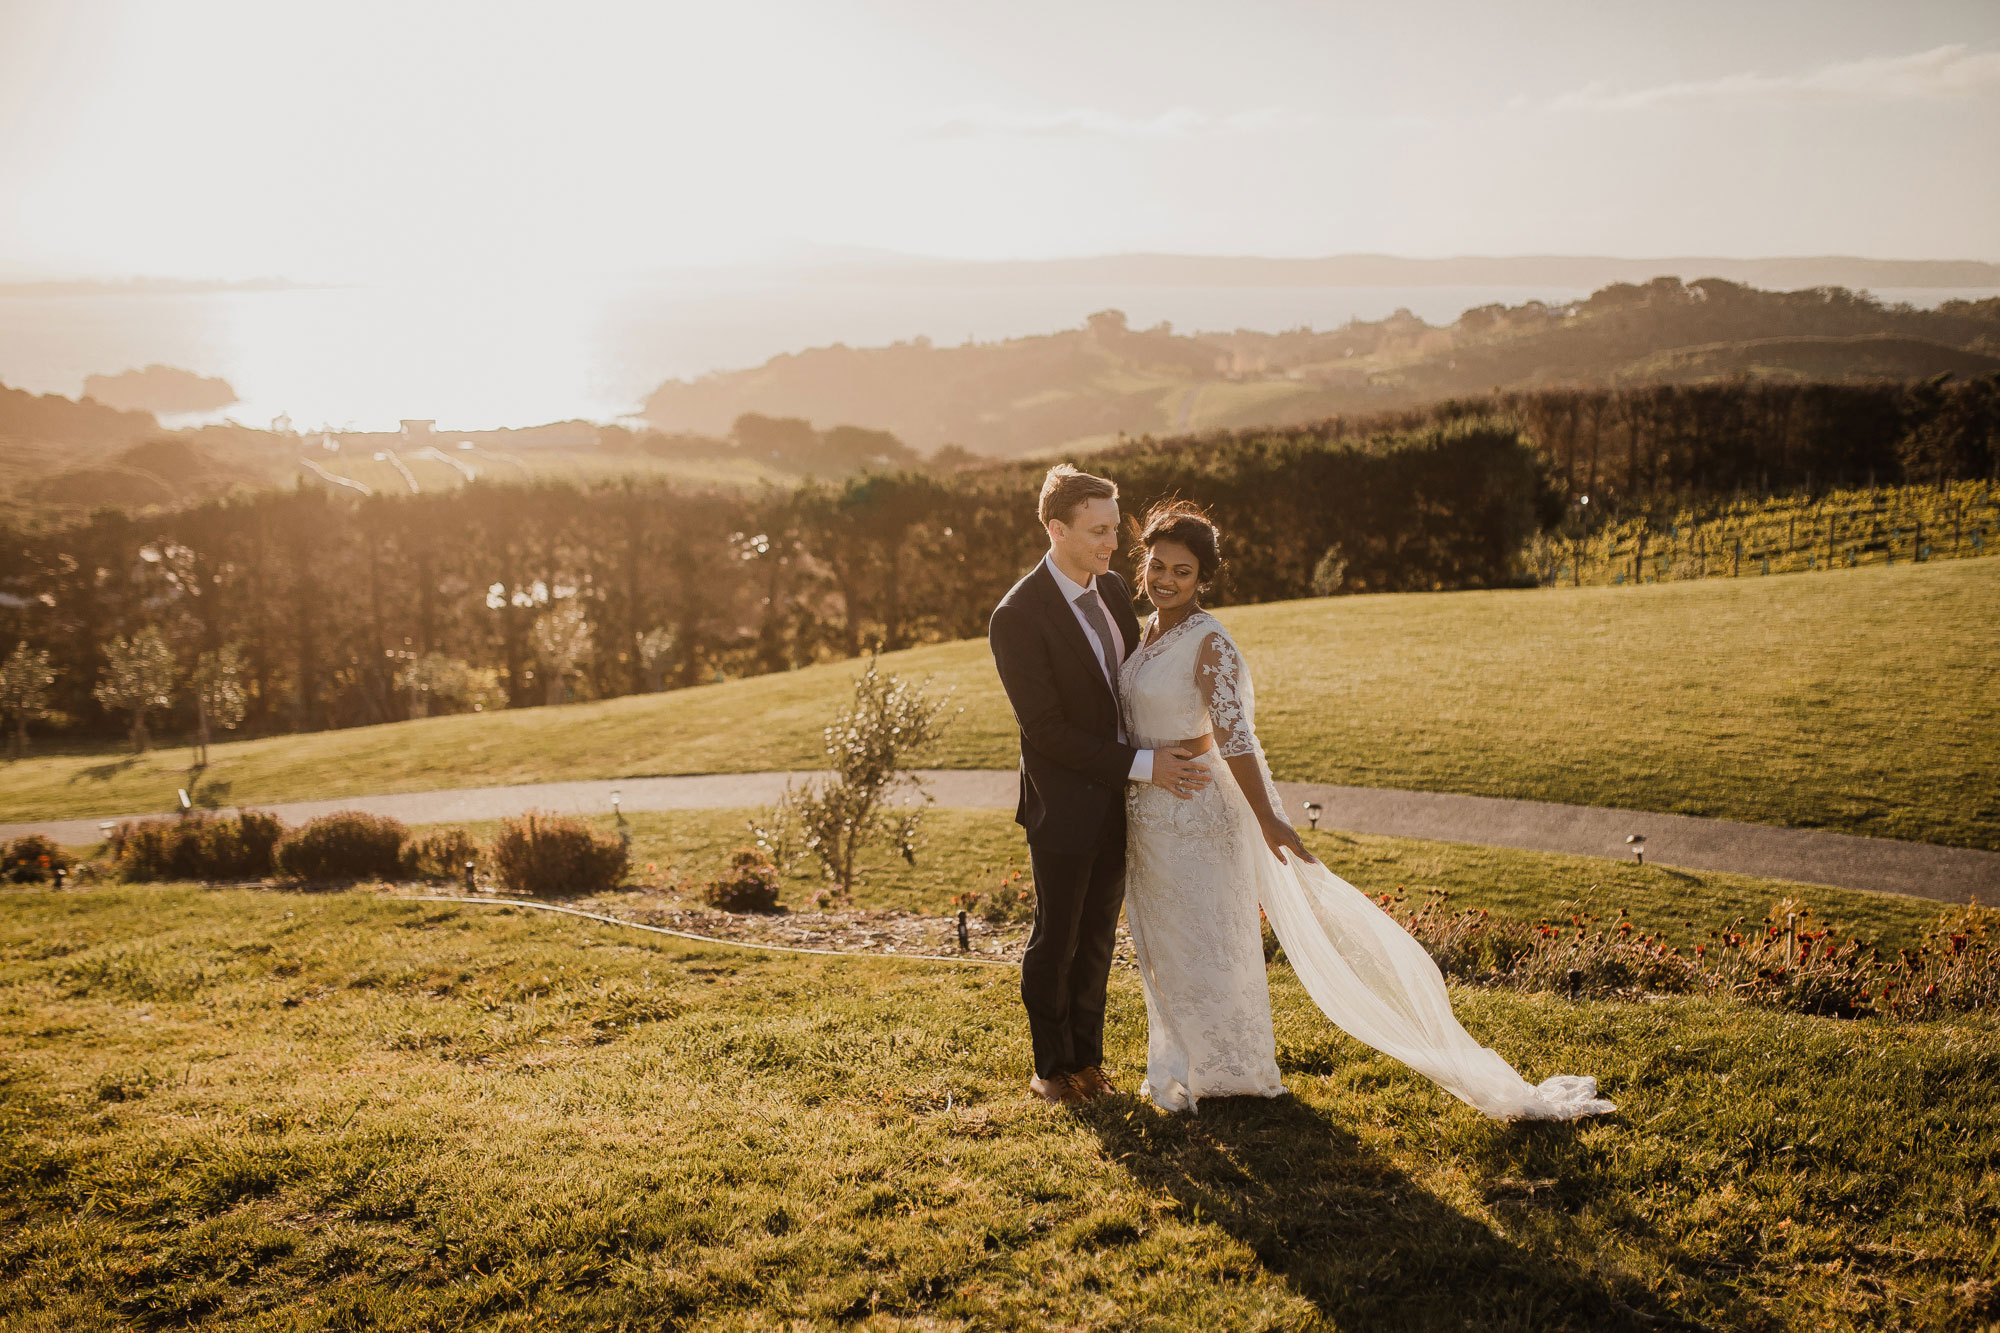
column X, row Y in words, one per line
column 441, row 854
column 33, row 859
column 750, row 886
column 1011, row 902
column 344, row 845
column 545, row 855
column 206, row 847
column 258, row 833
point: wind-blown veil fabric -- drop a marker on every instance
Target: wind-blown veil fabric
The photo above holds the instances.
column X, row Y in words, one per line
column 1377, row 984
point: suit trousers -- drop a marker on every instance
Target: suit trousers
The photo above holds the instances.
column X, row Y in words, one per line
column 1067, row 966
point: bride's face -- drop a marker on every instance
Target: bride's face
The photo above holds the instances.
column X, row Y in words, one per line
column 1172, row 575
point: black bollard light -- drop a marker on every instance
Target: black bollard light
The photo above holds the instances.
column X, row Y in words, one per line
column 964, row 940
column 1312, row 813
column 62, row 877
column 1638, row 844
column 470, row 886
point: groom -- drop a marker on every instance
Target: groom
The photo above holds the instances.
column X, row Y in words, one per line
column 1058, row 639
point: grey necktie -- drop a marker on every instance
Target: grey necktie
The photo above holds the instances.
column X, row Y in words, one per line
column 1093, row 611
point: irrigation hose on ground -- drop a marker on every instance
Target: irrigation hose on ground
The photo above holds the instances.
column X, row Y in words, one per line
column 703, row 939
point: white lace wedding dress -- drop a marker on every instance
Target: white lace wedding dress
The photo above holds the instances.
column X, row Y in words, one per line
column 1197, row 871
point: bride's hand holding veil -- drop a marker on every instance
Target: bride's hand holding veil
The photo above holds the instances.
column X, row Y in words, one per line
column 1278, row 835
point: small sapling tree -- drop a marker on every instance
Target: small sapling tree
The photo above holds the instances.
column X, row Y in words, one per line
column 138, row 677
column 870, row 748
column 25, row 678
column 562, row 639
column 219, row 697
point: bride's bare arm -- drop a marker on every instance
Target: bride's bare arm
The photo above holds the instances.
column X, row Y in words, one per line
column 1217, row 671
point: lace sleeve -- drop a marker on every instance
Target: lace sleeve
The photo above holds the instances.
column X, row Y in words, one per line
column 1217, row 673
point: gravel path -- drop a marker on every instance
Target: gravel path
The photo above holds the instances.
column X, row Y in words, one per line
column 1807, row 856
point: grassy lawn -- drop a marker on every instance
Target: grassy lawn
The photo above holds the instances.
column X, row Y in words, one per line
column 1859, row 700
column 278, row 1110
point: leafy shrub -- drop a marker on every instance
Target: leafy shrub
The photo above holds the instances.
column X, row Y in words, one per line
column 1787, row 961
column 258, row 833
column 440, row 854
column 1331, row 572
column 870, row 748
column 1011, row 901
column 33, row 859
column 344, row 845
column 750, row 886
column 1955, row 969
column 208, row 847
column 547, row 855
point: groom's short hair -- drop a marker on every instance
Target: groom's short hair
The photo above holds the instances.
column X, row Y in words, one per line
column 1065, row 489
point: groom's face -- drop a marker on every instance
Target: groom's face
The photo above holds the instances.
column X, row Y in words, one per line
column 1090, row 538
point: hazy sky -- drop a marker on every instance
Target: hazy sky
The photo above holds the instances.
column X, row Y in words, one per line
column 359, row 139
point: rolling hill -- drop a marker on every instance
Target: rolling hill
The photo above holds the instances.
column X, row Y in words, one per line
column 1084, row 387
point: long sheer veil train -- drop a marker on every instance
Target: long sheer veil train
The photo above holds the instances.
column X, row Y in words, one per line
column 1377, row 984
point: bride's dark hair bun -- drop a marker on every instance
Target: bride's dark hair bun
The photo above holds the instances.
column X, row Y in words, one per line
column 1184, row 523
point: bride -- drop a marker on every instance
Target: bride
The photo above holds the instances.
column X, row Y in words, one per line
column 1198, row 868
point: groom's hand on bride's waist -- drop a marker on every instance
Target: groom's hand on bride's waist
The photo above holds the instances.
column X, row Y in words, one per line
column 1178, row 771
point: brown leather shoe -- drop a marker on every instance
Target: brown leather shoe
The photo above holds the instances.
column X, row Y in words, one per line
column 1060, row 1090
column 1093, row 1083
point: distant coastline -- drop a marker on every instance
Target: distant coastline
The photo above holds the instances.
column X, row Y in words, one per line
column 494, row 354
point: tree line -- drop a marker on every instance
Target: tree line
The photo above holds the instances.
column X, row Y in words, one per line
column 1639, row 446
column 325, row 609
column 307, row 609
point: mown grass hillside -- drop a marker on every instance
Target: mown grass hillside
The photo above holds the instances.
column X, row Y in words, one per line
column 1858, row 700
column 270, row 1110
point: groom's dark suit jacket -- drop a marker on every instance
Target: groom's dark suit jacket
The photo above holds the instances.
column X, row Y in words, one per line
column 1072, row 763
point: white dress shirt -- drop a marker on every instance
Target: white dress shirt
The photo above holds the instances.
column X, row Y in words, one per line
column 1142, row 760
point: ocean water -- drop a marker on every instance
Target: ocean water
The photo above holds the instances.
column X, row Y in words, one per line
column 480, row 356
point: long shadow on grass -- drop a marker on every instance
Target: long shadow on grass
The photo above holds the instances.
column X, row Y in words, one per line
column 1347, row 1229
column 103, row 772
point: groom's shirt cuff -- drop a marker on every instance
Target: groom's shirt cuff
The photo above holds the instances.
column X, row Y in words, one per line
column 1142, row 766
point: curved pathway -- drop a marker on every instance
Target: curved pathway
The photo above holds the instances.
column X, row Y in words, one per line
column 1806, row 856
